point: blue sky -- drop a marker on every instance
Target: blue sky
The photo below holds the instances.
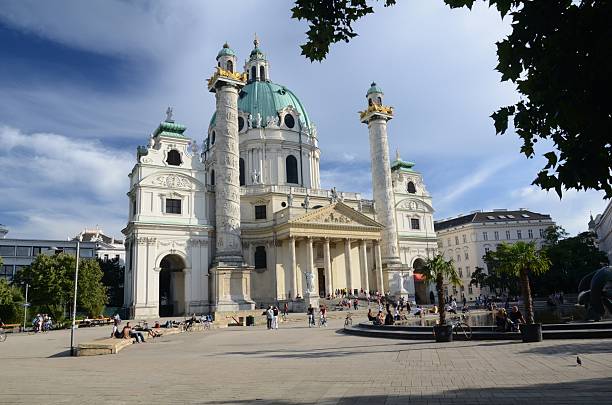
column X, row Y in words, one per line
column 83, row 83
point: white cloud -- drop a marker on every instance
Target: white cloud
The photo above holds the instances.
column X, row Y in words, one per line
column 473, row 180
column 54, row 185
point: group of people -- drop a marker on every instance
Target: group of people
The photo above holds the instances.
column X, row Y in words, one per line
column 272, row 314
column 42, row 323
column 311, row 316
column 505, row 322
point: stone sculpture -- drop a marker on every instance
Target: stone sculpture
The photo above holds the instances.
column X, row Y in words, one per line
column 309, row 282
column 595, row 294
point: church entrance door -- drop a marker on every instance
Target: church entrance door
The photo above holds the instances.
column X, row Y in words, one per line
column 172, row 286
column 321, row 280
column 420, row 285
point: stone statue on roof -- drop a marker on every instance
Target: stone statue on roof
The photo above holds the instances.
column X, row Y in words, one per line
column 169, row 114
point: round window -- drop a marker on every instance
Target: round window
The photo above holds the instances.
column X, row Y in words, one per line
column 283, row 204
column 240, row 123
column 289, row 121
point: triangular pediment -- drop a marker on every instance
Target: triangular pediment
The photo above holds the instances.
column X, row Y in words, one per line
column 336, row 214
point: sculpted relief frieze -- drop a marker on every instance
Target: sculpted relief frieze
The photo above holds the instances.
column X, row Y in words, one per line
column 331, row 218
column 172, row 181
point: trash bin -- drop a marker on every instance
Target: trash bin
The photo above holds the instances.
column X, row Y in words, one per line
column 250, row 320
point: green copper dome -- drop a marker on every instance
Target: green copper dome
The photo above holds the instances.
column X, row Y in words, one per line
column 267, row 98
column 226, row 51
column 373, row 89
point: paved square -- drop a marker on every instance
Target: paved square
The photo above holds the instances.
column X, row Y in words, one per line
column 300, row 365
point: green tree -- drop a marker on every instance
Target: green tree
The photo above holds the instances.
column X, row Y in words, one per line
column 11, row 300
column 571, row 260
column 91, row 296
column 113, row 279
column 522, row 259
column 435, row 270
column 559, row 57
column 51, row 280
column 499, row 281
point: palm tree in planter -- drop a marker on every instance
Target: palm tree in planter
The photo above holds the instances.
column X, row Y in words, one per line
column 521, row 259
column 435, row 270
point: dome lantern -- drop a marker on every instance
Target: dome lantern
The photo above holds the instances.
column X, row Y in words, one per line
column 374, row 95
column 256, row 66
column 226, row 58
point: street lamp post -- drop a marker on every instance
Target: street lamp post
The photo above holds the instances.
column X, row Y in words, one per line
column 74, row 306
column 25, row 307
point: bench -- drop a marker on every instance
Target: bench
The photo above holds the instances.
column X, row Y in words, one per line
column 11, row 327
column 114, row 345
column 103, row 346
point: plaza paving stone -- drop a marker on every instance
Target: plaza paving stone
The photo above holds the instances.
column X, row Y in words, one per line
column 296, row 364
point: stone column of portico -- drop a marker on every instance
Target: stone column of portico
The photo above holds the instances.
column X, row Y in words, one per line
column 363, row 259
column 293, row 271
column 347, row 261
column 229, row 269
column 327, row 266
column 379, row 272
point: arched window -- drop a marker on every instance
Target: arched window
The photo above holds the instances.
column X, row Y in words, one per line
column 240, row 123
column 411, row 188
column 253, row 73
column 379, row 100
column 260, row 257
column 262, row 73
column 291, row 169
column 212, row 177
column 230, row 66
column 370, row 102
column 174, row 158
column 241, row 164
column 214, row 138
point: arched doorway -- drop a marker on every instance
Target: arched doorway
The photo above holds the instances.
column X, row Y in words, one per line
column 172, row 286
column 420, row 285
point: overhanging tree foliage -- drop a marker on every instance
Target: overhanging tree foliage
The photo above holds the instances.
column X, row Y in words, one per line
column 113, row 280
column 558, row 55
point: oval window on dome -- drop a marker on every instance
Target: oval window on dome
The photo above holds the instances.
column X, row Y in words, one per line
column 289, row 121
column 240, row 123
column 214, row 136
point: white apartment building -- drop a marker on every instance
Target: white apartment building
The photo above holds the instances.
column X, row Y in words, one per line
column 602, row 226
column 467, row 238
column 19, row 253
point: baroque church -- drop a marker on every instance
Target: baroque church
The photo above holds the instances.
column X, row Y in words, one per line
column 242, row 221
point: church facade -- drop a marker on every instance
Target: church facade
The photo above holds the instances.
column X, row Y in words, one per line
column 241, row 220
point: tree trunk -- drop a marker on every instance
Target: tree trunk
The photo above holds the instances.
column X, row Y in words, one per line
column 526, row 288
column 441, row 299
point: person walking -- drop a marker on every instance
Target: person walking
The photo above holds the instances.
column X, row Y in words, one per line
column 269, row 315
column 275, row 313
column 310, row 313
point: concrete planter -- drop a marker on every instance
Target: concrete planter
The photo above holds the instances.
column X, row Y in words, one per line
column 443, row 333
column 531, row 333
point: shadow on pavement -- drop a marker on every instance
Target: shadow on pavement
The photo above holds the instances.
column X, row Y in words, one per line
column 571, row 348
column 578, row 392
